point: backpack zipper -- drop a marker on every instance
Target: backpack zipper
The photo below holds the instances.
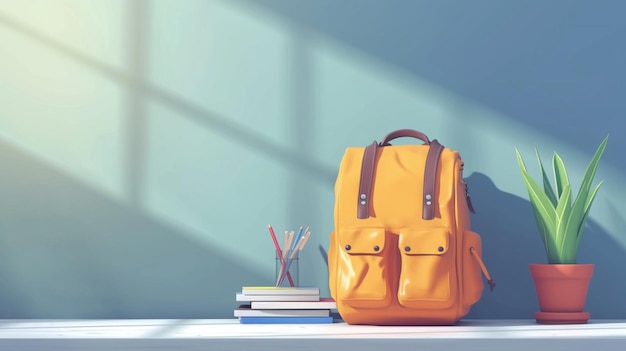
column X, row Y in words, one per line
column 467, row 197
column 467, row 194
column 483, row 268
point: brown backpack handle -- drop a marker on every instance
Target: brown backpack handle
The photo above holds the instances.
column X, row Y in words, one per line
column 430, row 173
column 404, row 133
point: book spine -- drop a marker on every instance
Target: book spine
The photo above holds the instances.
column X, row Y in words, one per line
column 285, row 320
column 248, row 312
column 247, row 290
column 249, row 298
column 289, row 305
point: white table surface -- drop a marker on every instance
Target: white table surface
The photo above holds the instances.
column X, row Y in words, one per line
column 228, row 334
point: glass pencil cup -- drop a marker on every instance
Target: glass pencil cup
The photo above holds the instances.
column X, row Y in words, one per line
column 287, row 270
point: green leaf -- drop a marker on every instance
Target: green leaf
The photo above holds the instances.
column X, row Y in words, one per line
column 590, row 172
column 548, row 241
column 565, row 235
column 547, row 188
column 520, row 161
column 583, row 220
column 587, row 208
column 560, row 174
column 544, row 210
column 592, row 196
column 537, row 196
column 563, row 209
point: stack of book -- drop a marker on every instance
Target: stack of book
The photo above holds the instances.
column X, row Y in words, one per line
column 283, row 305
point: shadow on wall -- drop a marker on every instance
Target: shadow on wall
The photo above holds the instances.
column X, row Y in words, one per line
column 68, row 252
column 485, row 51
column 511, row 241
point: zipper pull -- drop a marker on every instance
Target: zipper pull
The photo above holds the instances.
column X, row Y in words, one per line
column 467, row 197
column 492, row 284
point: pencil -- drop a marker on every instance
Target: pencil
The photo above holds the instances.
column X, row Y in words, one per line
column 288, row 244
column 295, row 251
column 301, row 243
column 283, row 262
column 285, row 243
column 279, row 253
column 296, row 240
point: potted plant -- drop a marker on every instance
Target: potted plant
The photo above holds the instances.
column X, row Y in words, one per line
column 562, row 283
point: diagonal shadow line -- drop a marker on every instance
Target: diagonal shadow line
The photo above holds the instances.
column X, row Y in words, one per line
column 302, row 163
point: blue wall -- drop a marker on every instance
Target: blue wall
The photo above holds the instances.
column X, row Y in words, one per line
column 146, row 145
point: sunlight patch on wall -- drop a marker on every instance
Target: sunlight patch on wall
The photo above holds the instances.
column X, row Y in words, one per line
column 233, row 62
column 62, row 112
column 95, row 29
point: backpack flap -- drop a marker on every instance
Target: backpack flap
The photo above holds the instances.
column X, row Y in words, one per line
column 362, row 241
column 424, row 242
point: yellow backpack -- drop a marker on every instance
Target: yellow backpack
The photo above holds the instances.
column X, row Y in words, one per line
column 402, row 251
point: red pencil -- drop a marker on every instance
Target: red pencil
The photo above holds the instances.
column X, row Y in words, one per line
column 279, row 252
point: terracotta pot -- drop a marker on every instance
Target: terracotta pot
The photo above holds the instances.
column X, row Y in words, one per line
column 561, row 292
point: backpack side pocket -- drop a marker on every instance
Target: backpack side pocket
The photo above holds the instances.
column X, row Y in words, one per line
column 472, row 280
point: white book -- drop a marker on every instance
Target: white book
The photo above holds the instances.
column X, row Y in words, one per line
column 322, row 304
column 248, row 298
column 246, row 311
column 272, row 290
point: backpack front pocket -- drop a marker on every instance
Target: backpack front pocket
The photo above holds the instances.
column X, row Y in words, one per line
column 363, row 272
column 428, row 273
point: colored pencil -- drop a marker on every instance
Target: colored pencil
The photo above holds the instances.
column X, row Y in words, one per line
column 289, row 239
column 298, row 248
column 279, row 253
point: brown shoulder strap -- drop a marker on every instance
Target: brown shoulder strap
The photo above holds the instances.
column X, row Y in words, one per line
column 430, row 176
column 365, row 184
